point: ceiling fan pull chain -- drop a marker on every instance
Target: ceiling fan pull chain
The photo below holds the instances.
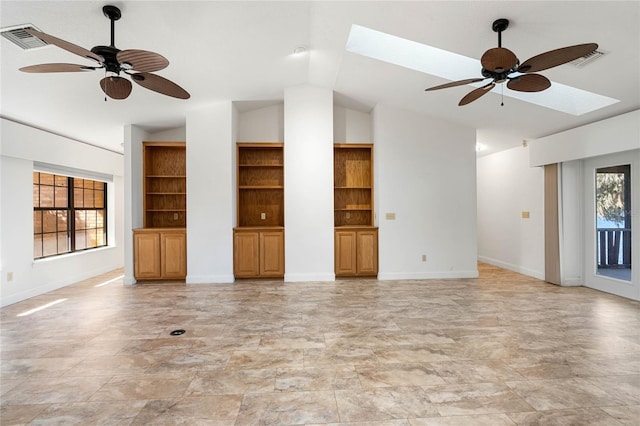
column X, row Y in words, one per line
column 502, row 99
column 105, row 76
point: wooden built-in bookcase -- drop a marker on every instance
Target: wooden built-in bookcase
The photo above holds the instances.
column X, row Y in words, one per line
column 353, row 184
column 165, row 185
column 356, row 238
column 259, row 236
column 160, row 248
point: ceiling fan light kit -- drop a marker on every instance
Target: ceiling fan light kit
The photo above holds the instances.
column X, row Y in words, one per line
column 501, row 65
column 136, row 63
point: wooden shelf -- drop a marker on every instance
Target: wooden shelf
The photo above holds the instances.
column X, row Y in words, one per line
column 260, row 184
column 165, row 184
column 166, row 193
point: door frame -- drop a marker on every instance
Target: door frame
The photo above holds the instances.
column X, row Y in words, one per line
column 628, row 289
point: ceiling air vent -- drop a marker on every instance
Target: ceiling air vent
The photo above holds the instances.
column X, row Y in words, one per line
column 587, row 59
column 19, row 36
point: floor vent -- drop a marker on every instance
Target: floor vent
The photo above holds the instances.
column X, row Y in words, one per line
column 585, row 60
column 17, row 35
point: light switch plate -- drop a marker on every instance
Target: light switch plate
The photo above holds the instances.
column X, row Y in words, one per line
column 390, row 216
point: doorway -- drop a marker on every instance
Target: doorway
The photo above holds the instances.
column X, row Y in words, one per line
column 609, row 239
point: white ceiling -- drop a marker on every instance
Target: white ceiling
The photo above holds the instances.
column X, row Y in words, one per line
column 241, row 51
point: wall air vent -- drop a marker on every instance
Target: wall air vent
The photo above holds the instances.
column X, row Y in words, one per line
column 17, row 35
column 588, row 58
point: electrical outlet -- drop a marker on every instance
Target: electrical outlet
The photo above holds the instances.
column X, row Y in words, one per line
column 175, row 216
column 525, row 215
column 263, row 216
column 424, row 257
column 9, row 276
column 348, row 215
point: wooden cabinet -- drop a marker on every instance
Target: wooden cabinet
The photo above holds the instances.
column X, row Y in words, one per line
column 164, row 184
column 356, row 239
column 146, row 255
column 356, row 251
column 258, row 252
column 159, row 254
column 258, row 249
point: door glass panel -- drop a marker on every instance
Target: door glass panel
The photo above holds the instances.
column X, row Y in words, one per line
column 613, row 222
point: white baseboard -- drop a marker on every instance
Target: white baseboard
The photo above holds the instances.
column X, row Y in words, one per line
column 426, row 275
column 309, row 277
column 210, row 279
column 515, row 268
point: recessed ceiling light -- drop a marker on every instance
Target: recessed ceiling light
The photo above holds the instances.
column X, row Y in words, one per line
column 452, row 66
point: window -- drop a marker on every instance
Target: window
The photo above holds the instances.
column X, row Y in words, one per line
column 69, row 214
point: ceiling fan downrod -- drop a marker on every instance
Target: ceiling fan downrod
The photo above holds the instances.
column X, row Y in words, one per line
column 499, row 25
column 114, row 14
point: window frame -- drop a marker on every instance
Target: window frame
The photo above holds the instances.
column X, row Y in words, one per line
column 71, row 209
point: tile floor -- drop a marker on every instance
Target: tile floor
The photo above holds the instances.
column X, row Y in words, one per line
column 503, row 349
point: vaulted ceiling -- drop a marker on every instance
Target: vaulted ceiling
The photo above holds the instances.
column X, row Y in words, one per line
column 242, row 51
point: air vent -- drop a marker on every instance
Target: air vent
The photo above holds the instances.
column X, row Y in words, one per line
column 17, row 35
column 588, row 58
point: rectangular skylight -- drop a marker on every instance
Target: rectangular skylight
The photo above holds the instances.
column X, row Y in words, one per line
column 452, row 66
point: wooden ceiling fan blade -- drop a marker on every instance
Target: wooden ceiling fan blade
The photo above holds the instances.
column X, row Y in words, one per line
column 498, row 59
column 556, row 57
column 455, row 83
column 142, row 60
column 160, row 84
column 529, row 83
column 70, row 47
column 116, row 87
column 477, row 93
column 57, row 68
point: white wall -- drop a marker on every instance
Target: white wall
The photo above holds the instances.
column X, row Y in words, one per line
column 507, row 186
column 210, row 200
column 616, row 134
column 425, row 173
column 571, row 205
column 261, row 125
column 177, row 134
column 308, row 197
column 133, row 200
column 351, row 126
column 21, row 146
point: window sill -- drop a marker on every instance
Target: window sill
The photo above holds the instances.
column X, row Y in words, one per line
column 70, row 255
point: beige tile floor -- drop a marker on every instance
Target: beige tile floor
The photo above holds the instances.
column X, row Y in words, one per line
column 503, row 349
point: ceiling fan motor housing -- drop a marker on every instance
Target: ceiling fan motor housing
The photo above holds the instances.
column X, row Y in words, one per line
column 109, row 54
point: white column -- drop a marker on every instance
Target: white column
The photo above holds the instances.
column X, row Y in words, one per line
column 210, row 198
column 308, row 183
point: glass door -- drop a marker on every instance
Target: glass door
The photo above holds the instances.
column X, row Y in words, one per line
column 610, row 191
column 613, row 221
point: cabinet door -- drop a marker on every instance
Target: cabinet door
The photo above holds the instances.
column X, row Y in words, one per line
column 173, row 254
column 246, row 254
column 367, row 250
column 345, row 252
column 272, row 254
column 146, row 248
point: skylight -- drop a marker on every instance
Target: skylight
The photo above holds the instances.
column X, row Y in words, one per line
column 452, row 66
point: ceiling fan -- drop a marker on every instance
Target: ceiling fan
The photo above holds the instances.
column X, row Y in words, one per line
column 500, row 65
column 138, row 64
